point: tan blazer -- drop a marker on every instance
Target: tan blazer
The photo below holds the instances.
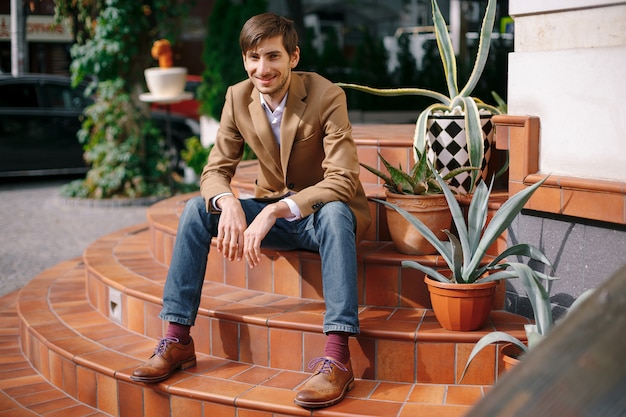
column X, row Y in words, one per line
column 317, row 158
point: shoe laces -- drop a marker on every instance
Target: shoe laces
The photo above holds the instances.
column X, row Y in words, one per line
column 162, row 346
column 326, row 367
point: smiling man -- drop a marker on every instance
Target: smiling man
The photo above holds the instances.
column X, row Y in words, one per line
column 307, row 196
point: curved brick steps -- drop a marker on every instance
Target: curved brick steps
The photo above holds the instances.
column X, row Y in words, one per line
column 78, row 350
column 125, row 283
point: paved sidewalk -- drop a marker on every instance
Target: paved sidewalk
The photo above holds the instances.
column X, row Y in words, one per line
column 38, row 229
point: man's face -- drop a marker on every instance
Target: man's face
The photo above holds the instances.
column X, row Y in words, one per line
column 269, row 67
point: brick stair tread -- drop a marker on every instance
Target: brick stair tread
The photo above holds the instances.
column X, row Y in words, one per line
column 72, row 344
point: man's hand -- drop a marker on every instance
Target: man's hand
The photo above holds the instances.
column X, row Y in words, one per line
column 232, row 224
column 259, row 228
column 235, row 239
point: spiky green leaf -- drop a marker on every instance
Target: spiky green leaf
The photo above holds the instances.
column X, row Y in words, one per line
column 474, row 137
column 538, row 296
column 458, row 219
column 484, row 42
column 446, row 51
column 457, row 258
column 488, row 339
column 392, row 92
column 526, row 250
column 501, row 221
column 431, row 272
column 477, row 214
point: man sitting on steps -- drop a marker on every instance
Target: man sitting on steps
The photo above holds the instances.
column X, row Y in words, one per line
column 307, row 196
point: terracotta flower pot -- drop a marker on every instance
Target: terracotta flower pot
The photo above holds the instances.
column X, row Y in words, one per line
column 461, row 307
column 510, row 354
column 432, row 210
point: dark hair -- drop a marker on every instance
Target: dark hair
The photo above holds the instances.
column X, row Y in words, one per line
column 265, row 26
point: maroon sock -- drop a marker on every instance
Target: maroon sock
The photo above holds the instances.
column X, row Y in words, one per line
column 179, row 331
column 337, row 347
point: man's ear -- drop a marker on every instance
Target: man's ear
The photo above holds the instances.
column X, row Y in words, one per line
column 295, row 58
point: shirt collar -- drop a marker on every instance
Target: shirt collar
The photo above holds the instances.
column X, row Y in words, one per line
column 279, row 109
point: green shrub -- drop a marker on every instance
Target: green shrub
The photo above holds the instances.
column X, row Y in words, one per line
column 124, row 150
column 114, row 38
column 195, row 154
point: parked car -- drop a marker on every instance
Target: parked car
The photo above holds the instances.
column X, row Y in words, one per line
column 186, row 108
column 40, row 116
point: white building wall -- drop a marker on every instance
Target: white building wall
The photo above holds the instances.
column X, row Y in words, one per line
column 569, row 69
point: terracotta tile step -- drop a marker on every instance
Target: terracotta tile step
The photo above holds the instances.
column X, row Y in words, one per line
column 79, row 351
column 124, row 283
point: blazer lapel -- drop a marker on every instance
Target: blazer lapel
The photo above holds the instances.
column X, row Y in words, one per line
column 294, row 109
column 263, row 129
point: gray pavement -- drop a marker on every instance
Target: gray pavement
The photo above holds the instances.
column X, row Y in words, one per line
column 39, row 229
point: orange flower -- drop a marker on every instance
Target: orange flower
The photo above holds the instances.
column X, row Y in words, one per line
column 162, row 50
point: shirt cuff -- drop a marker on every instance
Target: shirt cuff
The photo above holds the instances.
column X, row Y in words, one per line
column 217, row 197
column 293, row 207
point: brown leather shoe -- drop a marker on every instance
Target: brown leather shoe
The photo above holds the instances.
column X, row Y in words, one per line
column 169, row 356
column 329, row 383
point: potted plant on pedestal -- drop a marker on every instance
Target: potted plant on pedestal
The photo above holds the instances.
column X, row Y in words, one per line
column 471, row 271
column 418, row 192
column 455, row 124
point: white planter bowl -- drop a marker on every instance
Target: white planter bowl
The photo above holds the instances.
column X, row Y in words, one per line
column 166, row 82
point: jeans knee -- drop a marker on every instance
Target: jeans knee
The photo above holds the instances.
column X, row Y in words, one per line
column 336, row 216
column 196, row 204
column 195, row 210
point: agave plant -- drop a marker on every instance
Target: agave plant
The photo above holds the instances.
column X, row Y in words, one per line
column 419, row 180
column 539, row 296
column 456, row 100
column 464, row 252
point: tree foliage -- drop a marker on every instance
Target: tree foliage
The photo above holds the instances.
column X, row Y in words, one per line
column 222, row 54
column 133, row 167
column 113, row 42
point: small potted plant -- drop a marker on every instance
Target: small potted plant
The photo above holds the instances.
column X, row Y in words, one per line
column 539, row 297
column 165, row 81
column 514, row 348
column 470, row 270
column 418, row 192
column 470, row 114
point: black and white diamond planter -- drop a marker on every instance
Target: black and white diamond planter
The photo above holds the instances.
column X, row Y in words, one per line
column 446, row 137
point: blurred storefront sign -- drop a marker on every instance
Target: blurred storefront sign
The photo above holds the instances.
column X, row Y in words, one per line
column 38, row 29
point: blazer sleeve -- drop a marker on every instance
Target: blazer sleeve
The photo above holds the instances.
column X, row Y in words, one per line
column 340, row 164
column 224, row 157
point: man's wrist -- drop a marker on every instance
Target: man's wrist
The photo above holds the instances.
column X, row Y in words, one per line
column 214, row 200
column 293, row 208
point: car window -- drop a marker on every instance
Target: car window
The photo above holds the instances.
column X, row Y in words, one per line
column 64, row 97
column 192, row 87
column 18, row 95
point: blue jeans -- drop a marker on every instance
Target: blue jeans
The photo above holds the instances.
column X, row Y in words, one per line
column 330, row 231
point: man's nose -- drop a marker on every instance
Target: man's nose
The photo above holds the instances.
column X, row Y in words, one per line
column 263, row 65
